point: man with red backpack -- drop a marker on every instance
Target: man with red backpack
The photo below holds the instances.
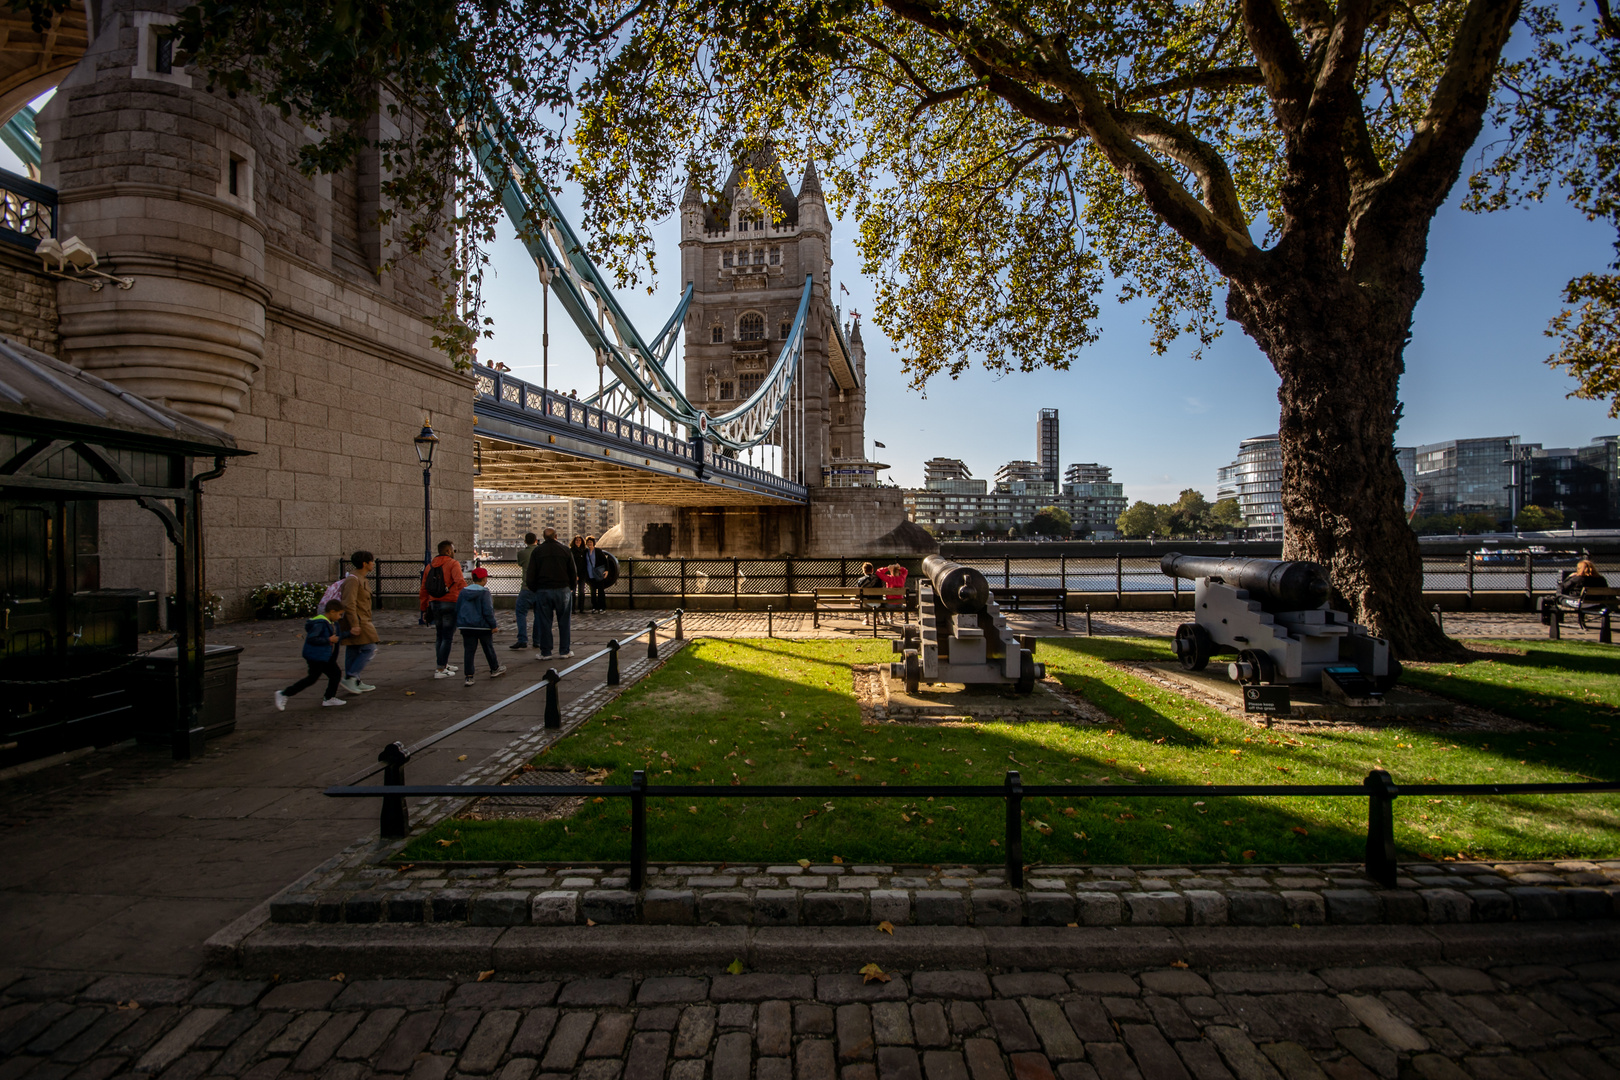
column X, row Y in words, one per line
column 442, row 582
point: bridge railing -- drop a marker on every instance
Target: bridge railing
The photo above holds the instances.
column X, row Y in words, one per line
column 27, row 211
column 554, row 409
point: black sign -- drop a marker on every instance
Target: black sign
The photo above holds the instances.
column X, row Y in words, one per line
column 1267, row 699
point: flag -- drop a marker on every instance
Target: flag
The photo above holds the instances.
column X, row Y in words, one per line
column 842, row 289
column 879, row 445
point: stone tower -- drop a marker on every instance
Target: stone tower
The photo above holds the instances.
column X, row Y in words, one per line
column 747, row 254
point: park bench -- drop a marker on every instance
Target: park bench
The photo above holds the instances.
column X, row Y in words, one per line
column 865, row 602
column 1022, row 598
column 1589, row 601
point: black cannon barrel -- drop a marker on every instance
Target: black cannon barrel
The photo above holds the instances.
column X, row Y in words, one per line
column 962, row 589
column 1299, row 585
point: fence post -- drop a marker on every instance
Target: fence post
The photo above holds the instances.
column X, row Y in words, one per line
column 1381, row 795
column 553, row 712
column 1175, row 600
column 1605, row 635
column 770, row 624
column 1439, row 619
column 652, row 640
column 787, row 584
column 843, row 573
column 638, row 828
column 1119, row 582
column 683, row 583
column 1088, row 620
column 1015, row 830
column 396, row 817
column 736, row 583
column 1470, row 559
column 1530, row 579
column 680, row 628
column 1063, row 571
column 630, row 586
column 613, row 662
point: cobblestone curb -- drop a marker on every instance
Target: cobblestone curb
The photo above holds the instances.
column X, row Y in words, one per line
column 362, row 892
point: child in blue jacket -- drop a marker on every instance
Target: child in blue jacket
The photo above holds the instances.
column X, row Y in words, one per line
column 321, row 635
column 475, row 617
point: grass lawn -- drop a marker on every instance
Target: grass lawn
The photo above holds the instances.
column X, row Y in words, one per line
column 783, row 712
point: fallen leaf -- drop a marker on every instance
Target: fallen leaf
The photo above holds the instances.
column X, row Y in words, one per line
column 599, row 799
column 1248, row 854
column 735, row 967
column 872, row 972
column 748, row 761
column 590, row 922
column 410, row 693
column 463, row 757
column 407, row 866
column 1182, row 964
column 1042, row 827
column 130, row 1004
column 838, row 859
column 336, row 978
column 1069, row 811
column 906, row 818
column 995, row 843
column 691, row 809
column 804, row 864
column 485, row 976
column 1301, row 831
column 887, row 927
column 444, row 843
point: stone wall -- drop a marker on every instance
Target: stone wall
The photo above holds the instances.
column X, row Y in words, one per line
column 28, row 312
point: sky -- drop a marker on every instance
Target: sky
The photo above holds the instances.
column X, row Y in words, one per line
column 1164, row 423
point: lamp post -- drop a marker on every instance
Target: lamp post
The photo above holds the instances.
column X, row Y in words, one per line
column 425, row 442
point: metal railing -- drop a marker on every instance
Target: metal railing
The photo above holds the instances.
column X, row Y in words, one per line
column 27, row 210
column 1379, row 789
column 395, row 756
column 661, row 583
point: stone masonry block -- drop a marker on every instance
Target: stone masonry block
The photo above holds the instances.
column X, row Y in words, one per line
column 293, row 908
column 892, row 906
column 1352, row 906
column 776, row 907
column 1206, row 907
column 669, row 907
column 1251, row 907
column 499, row 908
column 1163, row 908
column 1304, row 907
column 1049, row 908
column 940, row 907
column 610, row 905
column 725, row 907
column 1588, row 903
column 998, row 907
column 556, row 908
column 1098, row 909
column 1447, row 905
column 1491, row 905
column 834, row 908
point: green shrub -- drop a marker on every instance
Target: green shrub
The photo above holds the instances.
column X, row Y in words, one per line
column 286, row 599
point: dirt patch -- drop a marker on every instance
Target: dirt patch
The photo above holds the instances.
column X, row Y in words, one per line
column 1465, row 717
column 1485, row 652
column 534, row 808
column 871, row 687
column 683, row 699
column 871, row 690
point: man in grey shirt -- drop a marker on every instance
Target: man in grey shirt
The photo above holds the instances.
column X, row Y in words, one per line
column 526, row 597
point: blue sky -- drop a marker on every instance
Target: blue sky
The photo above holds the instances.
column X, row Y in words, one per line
column 1164, row 423
column 1474, row 366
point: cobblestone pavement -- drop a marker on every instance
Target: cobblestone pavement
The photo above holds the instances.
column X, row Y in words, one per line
column 1533, row 1022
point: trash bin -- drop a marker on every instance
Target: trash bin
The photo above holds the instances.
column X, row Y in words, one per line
column 219, row 693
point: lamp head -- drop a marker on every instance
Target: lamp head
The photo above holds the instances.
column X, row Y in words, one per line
column 425, row 441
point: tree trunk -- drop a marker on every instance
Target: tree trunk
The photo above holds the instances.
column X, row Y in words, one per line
column 1340, row 358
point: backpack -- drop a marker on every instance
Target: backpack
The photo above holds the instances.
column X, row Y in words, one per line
column 435, row 583
column 333, row 591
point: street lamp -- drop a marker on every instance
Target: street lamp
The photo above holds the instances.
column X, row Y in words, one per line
column 425, row 442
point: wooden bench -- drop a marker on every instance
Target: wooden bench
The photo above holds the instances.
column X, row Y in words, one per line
column 865, row 602
column 1018, row 598
column 1590, row 601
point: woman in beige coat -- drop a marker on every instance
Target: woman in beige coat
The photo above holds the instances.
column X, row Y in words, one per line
column 360, row 644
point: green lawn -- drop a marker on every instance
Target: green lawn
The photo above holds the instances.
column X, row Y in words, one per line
column 782, row 712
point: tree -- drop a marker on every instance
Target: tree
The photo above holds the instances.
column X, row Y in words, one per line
column 1050, row 521
column 1225, row 515
column 1140, row 521
column 1535, row 518
column 1188, row 515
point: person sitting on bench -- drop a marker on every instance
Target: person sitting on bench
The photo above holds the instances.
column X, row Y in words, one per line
column 1584, row 577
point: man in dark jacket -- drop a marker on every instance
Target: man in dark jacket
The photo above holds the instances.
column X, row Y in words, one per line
column 550, row 576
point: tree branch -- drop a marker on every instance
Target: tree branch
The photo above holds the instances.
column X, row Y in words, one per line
column 1214, row 79
column 1179, row 144
column 1287, row 79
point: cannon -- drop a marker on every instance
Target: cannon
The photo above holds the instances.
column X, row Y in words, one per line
column 961, row 636
column 1276, row 617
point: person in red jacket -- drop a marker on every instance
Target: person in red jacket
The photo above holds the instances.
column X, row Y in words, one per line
column 444, row 576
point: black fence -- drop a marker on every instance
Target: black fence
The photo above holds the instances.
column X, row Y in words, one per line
column 667, row 583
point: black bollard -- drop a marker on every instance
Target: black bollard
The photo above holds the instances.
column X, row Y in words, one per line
column 1439, row 619
column 638, row 828
column 1381, row 795
column 613, row 662
column 396, row 817
column 652, row 640
column 680, row 631
column 1015, row 830
column 770, row 624
column 1088, row 620
column 553, row 711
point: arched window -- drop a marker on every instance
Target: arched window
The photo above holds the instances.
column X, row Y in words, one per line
column 717, row 335
column 776, row 256
column 725, row 259
column 787, row 328
column 751, row 328
column 759, row 256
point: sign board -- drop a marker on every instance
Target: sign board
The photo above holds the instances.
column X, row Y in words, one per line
column 1267, row 699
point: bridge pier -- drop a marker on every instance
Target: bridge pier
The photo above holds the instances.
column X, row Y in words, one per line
column 839, row 522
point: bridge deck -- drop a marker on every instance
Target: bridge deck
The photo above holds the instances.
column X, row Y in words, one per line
column 534, row 439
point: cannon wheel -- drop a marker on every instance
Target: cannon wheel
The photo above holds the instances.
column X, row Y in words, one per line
column 913, row 671
column 1264, row 670
column 910, row 634
column 1026, row 671
column 1193, row 646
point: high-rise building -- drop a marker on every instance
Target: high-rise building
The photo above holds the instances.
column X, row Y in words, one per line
column 1046, row 445
column 1088, row 473
column 945, row 468
column 1255, row 480
column 951, row 502
column 1026, row 471
column 1579, row 482
column 502, row 517
column 1470, row 476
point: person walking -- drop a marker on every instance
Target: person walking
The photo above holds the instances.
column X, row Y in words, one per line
column 526, row 599
column 475, row 616
column 601, row 570
column 361, row 643
column 576, row 548
column 321, row 636
column 552, row 577
column 442, row 582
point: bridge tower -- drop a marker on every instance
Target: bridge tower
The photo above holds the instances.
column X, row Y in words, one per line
column 747, row 254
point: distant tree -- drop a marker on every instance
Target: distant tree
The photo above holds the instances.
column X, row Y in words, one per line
column 1535, row 518
column 1224, row 515
column 1050, row 521
column 1141, row 520
column 1452, row 524
column 1187, row 516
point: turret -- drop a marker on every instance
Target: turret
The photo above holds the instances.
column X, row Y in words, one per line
column 812, row 204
